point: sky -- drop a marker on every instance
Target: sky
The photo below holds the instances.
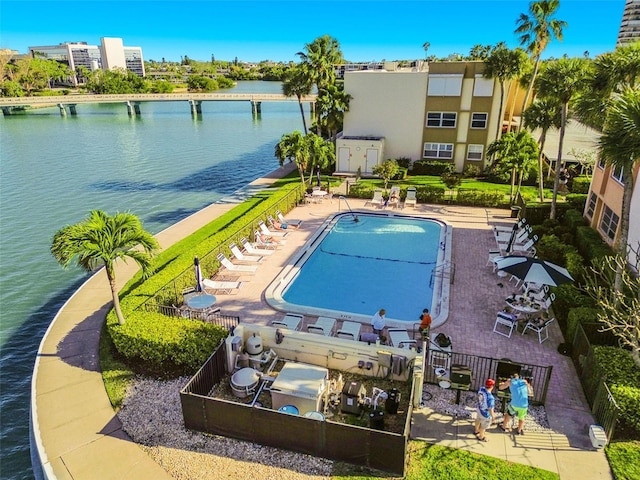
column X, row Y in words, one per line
column 252, row 31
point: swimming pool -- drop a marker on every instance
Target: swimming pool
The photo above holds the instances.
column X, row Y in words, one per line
column 349, row 269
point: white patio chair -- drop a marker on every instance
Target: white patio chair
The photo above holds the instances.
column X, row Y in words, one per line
column 399, row 337
column 265, row 230
column 539, row 326
column 505, row 323
column 394, row 197
column 217, row 286
column 291, row 222
column 267, row 241
column 251, row 249
column 411, row 197
column 322, row 326
column 377, row 200
column 232, row 267
column 291, row 321
column 241, row 257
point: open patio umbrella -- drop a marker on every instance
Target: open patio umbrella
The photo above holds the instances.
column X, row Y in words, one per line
column 196, row 264
column 534, row 270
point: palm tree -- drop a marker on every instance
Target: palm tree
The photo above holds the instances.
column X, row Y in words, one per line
column 544, row 113
column 296, row 83
column 321, row 152
column 561, row 80
column 516, row 151
column 536, row 31
column 294, row 147
column 426, row 46
column 102, row 239
column 331, row 103
column 505, row 65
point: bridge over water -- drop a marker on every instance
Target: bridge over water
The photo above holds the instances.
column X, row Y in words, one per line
column 133, row 100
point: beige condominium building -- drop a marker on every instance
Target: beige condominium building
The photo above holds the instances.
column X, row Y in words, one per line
column 442, row 111
column 604, row 205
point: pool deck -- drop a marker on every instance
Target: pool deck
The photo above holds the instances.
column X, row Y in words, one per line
column 78, row 434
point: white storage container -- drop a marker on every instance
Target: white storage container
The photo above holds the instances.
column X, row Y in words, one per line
column 598, row 436
column 300, row 385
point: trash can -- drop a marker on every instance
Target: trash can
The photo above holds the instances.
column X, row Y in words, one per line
column 515, row 211
column 392, row 401
column 376, row 420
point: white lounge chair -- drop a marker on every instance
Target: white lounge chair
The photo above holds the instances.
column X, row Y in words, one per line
column 263, row 242
column 349, row 331
column 525, row 249
column 216, row 286
column 411, row 197
column 283, row 225
column 377, row 200
column 291, row 321
column 232, row 267
column 399, row 337
column 323, row 326
column 266, row 231
column 252, row 249
column 242, row 257
column 394, row 197
column 293, row 223
column 509, row 228
column 521, row 235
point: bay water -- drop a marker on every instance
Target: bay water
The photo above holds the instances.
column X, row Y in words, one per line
column 161, row 166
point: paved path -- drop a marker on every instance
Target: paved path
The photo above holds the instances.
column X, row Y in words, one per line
column 80, row 434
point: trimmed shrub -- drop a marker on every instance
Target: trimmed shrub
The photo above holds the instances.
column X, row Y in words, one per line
column 577, row 201
column 481, row 197
column 428, row 194
column 568, row 297
column 580, row 316
column 590, row 244
column 573, row 219
column 404, row 162
column 426, row 167
column 580, row 184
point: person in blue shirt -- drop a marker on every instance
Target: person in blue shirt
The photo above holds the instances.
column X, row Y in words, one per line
column 521, row 389
column 485, row 414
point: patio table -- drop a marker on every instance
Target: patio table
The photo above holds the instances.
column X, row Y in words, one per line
column 201, row 302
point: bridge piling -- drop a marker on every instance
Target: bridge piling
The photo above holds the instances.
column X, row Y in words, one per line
column 72, row 109
column 63, row 111
column 133, row 108
column 256, row 107
column 196, row 107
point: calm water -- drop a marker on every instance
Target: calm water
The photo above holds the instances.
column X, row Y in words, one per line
column 161, row 166
column 401, row 252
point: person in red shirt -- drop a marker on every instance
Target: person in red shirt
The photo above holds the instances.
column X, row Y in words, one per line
column 425, row 322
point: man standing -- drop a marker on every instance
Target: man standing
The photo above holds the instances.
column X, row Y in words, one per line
column 378, row 321
column 485, row 415
column 520, row 389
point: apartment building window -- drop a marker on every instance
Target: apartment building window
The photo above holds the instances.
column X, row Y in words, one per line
column 601, row 163
column 609, row 223
column 474, row 152
column 592, row 205
column 618, row 173
column 479, row 120
column 438, row 150
column 441, row 119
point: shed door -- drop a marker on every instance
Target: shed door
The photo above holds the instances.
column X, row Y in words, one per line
column 372, row 159
column 343, row 159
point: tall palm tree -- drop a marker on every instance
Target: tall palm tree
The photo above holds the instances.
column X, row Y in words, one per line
column 102, row 239
column 516, row 151
column 331, row 103
column 562, row 80
column 426, row 46
column 505, row 65
column 320, row 58
column 544, row 113
column 536, row 30
column 294, row 147
column 296, row 83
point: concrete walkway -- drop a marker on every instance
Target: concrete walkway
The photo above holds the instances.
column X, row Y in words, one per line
column 78, row 433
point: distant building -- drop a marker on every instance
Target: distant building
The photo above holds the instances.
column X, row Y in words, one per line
column 630, row 24
column 109, row 55
column 446, row 111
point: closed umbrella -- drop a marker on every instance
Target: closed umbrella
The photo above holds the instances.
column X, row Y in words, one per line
column 196, row 264
column 534, row 270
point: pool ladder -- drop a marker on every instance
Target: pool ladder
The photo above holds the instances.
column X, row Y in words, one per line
column 447, row 269
column 342, row 197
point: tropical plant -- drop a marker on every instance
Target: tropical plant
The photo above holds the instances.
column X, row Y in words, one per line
column 322, row 153
column 102, row 239
column 331, row 104
column 297, row 83
column 386, row 170
column 295, row 148
column 543, row 113
column 561, row 80
column 516, row 151
column 505, row 65
column 536, row 30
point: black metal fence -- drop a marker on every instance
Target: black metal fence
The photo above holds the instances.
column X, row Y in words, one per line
column 603, row 405
column 215, row 318
column 373, row 448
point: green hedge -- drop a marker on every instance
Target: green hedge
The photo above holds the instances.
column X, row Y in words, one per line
column 481, row 198
column 429, row 167
column 175, row 344
column 623, row 377
column 580, row 184
column 590, row 244
column 580, row 316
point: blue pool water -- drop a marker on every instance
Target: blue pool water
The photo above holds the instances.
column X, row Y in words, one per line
column 351, row 269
